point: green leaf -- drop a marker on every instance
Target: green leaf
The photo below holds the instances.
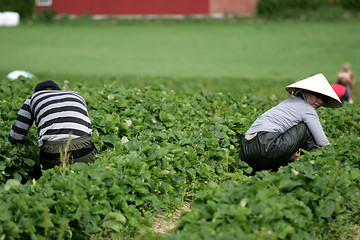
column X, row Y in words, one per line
column 115, row 221
column 355, row 173
column 11, row 183
column 29, row 162
column 114, row 225
column 326, row 208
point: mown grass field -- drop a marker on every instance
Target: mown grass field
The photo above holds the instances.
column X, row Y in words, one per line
column 215, row 56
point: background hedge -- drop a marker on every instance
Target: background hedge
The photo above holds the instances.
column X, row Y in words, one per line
column 350, row 4
column 295, row 8
column 26, row 8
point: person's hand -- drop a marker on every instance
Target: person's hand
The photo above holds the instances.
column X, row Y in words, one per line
column 297, row 154
column 351, row 101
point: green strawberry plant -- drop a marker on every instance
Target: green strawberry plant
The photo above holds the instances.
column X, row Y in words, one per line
column 158, row 147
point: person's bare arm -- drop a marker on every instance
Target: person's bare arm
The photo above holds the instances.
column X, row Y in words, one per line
column 352, row 77
column 351, row 89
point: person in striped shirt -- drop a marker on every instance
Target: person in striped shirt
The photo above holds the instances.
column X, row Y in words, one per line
column 58, row 115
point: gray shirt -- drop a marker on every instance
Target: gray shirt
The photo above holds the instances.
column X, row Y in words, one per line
column 287, row 114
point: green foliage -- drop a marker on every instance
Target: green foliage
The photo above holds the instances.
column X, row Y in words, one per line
column 45, row 16
column 353, row 5
column 26, row 8
column 159, row 147
column 20, row 161
column 307, row 9
column 272, row 7
column 320, row 190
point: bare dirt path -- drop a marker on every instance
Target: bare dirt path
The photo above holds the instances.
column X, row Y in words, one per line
column 162, row 224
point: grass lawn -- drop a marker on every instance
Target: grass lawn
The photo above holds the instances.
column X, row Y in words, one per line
column 215, row 56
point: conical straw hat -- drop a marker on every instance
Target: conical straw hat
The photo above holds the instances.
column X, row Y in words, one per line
column 319, row 84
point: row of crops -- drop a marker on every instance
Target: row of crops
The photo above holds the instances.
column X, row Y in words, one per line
column 159, row 148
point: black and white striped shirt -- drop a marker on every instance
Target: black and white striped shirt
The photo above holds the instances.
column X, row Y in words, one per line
column 56, row 114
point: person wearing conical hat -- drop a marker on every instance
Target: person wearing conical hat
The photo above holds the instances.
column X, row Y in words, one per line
column 275, row 136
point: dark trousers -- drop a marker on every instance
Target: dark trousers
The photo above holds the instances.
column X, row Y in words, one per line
column 346, row 96
column 81, row 149
column 270, row 150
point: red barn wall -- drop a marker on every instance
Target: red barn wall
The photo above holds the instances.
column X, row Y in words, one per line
column 152, row 7
column 130, row 7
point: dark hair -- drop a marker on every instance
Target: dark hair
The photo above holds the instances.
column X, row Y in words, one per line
column 46, row 85
column 299, row 94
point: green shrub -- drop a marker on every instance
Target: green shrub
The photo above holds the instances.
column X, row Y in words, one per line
column 46, row 15
column 306, row 9
column 326, row 13
column 83, row 19
column 26, row 8
column 350, row 4
column 268, row 7
column 63, row 18
column 273, row 7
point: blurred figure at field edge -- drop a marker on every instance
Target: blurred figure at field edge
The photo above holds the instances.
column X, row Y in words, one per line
column 58, row 115
column 274, row 139
column 346, row 78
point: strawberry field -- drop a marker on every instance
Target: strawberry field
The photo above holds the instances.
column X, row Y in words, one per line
column 159, row 147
